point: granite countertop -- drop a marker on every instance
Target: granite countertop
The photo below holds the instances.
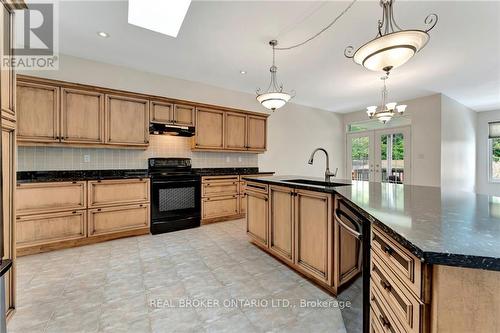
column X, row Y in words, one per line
column 440, row 227
column 228, row 171
column 78, row 175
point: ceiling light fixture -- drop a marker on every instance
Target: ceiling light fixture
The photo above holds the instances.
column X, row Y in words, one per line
column 393, row 46
column 274, row 97
column 386, row 111
column 243, row 72
column 103, row 34
column 162, row 16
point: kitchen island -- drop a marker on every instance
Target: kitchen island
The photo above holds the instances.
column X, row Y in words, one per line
column 434, row 255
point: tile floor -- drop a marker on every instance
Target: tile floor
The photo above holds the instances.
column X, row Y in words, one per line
column 139, row 284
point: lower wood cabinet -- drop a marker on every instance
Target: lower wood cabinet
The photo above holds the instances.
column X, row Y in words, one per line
column 313, row 234
column 257, row 217
column 281, row 219
column 49, row 228
column 220, row 206
column 243, row 203
column 116, row 219
column 47, row 218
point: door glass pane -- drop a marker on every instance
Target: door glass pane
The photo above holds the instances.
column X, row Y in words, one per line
column 392, row 150
column 360, row 169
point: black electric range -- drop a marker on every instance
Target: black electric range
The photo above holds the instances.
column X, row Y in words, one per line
column 175, row 195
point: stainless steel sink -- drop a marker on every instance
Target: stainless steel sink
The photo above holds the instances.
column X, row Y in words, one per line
column 314, row 182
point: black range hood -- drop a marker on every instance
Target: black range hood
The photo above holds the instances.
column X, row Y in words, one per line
column 169, row 129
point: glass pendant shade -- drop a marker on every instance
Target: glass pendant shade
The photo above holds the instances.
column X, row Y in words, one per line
column 273, row 100
column 391, row 106
column 393, row 46
column 391, row 51
column 401, row 108
column 371, row 110
column 384, row 116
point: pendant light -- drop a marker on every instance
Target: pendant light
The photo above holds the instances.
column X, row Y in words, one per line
column 274, row 97
column 386, row 112
column 393, row 46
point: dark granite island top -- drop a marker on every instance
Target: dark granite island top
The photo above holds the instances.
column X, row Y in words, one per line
column 440, row 227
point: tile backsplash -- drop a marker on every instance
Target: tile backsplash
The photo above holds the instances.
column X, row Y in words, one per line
column 57, row 158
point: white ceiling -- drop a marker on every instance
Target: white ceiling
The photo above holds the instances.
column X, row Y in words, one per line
column 220, row 38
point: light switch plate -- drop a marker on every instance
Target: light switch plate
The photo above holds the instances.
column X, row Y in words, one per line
column 86, row 158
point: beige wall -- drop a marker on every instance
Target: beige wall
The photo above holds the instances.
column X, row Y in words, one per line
column 293, row 131
column 458, row 146
column 483, row 184
column 425, row 115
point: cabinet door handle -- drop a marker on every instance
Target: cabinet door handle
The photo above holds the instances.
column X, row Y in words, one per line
column 98, row 209
column 389, row 250
column 384, row 321
column 386, row 285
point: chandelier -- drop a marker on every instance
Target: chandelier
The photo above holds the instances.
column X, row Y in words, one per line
column 392, row 46
column 386, row 111
column 274, row 97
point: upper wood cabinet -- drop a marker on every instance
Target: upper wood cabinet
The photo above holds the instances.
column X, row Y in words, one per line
column 230, row 131
column 256, row 133
column 184, row 115
column 127, row 120
column 209, row 129
column 235, row 132
column 82, row 116
column 161, row 112
column 37, row 112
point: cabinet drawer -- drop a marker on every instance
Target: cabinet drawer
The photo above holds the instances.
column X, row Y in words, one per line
column 35, row 198
column 406, row 266
column 256, row 187
column 115, row 219
column 402, row 304
column 219, row 206
column 118, row 192
column 50, row 228
column 212, row 189
column 379, row 313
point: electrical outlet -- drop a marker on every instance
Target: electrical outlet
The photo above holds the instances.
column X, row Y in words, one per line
column 240, row 159
column 86, row 158
column 228, row 159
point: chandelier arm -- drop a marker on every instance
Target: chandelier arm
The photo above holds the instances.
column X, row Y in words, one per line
column 432, row 20
column 321, row 31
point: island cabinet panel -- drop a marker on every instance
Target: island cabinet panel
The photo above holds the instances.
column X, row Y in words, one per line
column 127, row 120
column 37, row 112
column 257, row 216
column 161, row 112
column 281, row 222
column 49, row 228
column 256, row 133
column 314, row 231
column 184, row 115
column 33, row 198
column 209, row 129
column 236, row 128
column 117, row 192
column 116, row 219
column 82, row 116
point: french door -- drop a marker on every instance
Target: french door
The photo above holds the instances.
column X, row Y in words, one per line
column 380, row 155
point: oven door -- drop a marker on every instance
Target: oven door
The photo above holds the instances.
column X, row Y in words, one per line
column 175, row 200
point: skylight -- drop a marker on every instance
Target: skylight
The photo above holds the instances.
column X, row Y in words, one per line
column 163, row 16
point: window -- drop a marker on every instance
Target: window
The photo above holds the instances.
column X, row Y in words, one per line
column 494, row 151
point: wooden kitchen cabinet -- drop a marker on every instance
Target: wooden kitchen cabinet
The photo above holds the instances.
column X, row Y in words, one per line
column 236, row 131
column 209, row 129
column 50, row 228
column 37, row 112
column 82, row 116
column 184, row 115
column 127, row 120
column 114, row 192
column 36, row 198
column 161, row 112
column 220, row 206
column 257, row 216
column 314, row 233
column 281, row 220
column 256, row 133
column 110, row 220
